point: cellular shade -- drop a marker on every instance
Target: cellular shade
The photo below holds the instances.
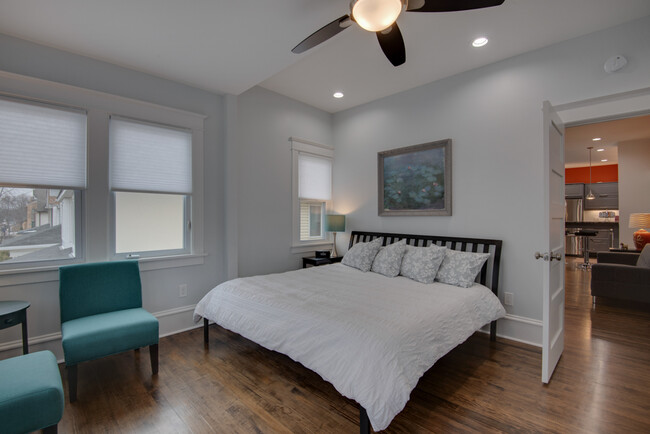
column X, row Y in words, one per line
column 42, row 146
column 150, row 158
column 315, row 177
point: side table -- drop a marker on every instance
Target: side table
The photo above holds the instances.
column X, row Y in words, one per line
column 13, row 313
column 315, row 262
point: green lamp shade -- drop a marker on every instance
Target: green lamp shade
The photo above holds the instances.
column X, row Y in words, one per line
column 335, row 223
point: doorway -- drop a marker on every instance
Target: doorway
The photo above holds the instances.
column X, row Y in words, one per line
column 624, row 124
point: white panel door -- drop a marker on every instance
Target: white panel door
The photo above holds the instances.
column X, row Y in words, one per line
column 553, row 263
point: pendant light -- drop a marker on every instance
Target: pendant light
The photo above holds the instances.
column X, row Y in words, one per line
column 590, row 196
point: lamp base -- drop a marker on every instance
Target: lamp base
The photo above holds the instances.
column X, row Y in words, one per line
column 641, row 238
column 334, row 253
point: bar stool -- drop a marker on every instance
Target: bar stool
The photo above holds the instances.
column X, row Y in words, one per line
column 586, row 233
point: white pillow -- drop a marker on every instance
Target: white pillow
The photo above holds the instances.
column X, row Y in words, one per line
column 361, row 255
column 389, row 259
column 460, row 268
column 421, row 263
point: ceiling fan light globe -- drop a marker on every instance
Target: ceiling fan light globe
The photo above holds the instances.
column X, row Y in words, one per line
column 376, row 15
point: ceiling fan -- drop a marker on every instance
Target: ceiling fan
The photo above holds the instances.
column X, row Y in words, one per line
column 380, row 16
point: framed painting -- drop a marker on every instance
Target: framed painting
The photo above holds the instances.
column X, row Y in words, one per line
column 415, row 180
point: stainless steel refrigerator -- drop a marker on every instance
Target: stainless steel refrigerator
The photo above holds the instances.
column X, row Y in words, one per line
column 573, row 245
column 573, row 210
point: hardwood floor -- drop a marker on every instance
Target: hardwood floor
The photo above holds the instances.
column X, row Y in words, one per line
column 602, row 384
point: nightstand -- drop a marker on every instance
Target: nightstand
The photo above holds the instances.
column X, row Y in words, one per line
column 13, row 313
column 315, row 262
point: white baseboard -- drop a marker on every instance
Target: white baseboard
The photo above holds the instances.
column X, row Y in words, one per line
column 171, row 321
column 520, row 329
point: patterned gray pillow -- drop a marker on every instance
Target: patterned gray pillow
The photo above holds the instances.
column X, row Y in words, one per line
column 361, row 255
column 389, row 259
column 421, row 263
column 461, row 268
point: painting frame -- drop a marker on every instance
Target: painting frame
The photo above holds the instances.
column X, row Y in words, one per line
column 430, row 172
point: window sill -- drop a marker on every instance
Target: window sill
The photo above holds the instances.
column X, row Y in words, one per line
column 310, row 246
column 22, row 276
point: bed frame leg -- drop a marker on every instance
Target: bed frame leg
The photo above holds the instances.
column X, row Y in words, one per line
column 206, row 331
column 364, row 422
column 493, row 331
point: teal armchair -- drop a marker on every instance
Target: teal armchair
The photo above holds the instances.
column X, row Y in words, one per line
column 102, row 314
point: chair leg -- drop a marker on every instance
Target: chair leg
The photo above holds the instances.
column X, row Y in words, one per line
column 72, row 382
column 52, row 429
column 153, row 355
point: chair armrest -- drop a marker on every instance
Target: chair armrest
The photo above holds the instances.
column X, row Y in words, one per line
column 623, row 274
column 617, row 258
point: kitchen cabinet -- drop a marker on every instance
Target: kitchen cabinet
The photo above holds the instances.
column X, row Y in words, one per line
column 606, row 195
column 574, row 191
column 603, row 241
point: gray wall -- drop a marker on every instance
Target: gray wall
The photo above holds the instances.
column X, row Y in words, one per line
column 265, row 122
column 160, row 287
column 494, row 117
column 633, row 184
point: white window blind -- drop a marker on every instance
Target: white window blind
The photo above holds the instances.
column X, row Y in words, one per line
column 150, row 158
column 42, row 146
column 315, row 177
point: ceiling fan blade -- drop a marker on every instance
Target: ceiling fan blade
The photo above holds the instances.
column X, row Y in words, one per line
column 323, row 34
column 450, row 5
column 392, row 44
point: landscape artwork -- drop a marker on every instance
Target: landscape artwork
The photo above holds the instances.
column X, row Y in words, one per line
column 415, row 180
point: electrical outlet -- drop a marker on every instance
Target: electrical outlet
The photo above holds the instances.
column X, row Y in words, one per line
column 182, row 290
column 508, row 299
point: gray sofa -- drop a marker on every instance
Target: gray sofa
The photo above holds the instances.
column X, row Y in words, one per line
column 625, row 276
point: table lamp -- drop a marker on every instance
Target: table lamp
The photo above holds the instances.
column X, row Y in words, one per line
column 334, row 223
column 640, row 220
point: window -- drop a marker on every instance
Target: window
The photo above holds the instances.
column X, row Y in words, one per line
column 151, row 180
column 42, row 174
column 312, row 179
column 89, row 178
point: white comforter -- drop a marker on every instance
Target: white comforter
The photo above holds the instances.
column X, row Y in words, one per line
column 371, row 336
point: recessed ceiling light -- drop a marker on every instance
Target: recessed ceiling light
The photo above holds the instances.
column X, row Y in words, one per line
column 480, row 42
column 603, row 160
column 338, row 95
column 596, row 139
column 600, row 149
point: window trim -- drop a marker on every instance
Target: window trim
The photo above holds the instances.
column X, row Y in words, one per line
column 95, row 210
column 299, row 146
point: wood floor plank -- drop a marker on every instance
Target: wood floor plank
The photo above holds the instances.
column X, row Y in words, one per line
column 601, row 384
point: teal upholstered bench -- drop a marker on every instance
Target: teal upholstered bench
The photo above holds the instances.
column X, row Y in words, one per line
column 102, row 314
column 31, row 394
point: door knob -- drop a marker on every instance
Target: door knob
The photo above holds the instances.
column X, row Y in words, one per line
column 541, row 255
column 547, row 257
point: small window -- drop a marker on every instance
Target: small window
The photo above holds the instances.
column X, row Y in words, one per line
column 311, row 220
column 151, row 180
column 37, row 224
column 149, row 222
column 42, row 175
column 312, row 182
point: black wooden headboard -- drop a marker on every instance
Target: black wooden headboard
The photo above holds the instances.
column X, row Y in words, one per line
column 489, row 275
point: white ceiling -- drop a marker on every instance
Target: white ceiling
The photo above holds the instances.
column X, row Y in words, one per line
column 577, row 139
column 229, row 46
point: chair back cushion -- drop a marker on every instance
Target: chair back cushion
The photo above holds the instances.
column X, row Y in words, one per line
column 644, row 257
column 100, row 287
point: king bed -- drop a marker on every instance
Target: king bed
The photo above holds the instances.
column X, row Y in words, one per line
column 369, row 335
